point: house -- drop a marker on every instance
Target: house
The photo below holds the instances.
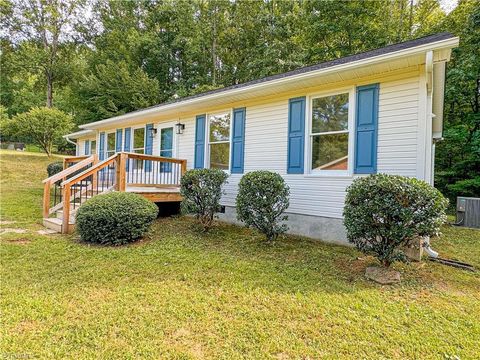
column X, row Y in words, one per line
column 319, row 126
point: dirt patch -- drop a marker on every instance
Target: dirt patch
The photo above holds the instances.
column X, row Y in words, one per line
column 19, row 241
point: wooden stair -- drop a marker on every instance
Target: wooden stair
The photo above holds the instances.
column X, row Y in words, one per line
column 154, row 177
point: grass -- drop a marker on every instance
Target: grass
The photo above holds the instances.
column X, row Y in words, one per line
column 180, row 294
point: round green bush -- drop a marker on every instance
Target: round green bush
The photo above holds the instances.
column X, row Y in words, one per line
column 261, row 201
column 201, row 190
column 54, row 168
column 383, row 213
column 115, row 218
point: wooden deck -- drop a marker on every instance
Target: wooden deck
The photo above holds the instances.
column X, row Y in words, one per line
column 157, row 194
column 155, row 178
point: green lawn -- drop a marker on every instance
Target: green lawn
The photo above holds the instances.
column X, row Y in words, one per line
column 179, row 294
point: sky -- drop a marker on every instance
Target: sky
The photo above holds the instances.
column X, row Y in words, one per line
column 448, row 5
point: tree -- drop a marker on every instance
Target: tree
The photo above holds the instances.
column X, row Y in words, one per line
column 458, row 156
column 42, row 27
column 44, row 126
column 113, row 89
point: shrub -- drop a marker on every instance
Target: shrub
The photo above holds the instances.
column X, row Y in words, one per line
column 115, row 218
column 54, row 168
column 201, row 190
column 261, row 201
column 383, row 213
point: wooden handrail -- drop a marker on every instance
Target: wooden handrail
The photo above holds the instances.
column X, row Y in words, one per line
column 62, row 174
column 73, row 159
column 95, row 168
column 153, row 158
column 59, row 176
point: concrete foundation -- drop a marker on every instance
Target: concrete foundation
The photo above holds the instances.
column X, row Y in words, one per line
column 322, row 228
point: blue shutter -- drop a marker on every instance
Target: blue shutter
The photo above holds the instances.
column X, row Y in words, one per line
column 200, row 142
column 126, row 144
column 101, row 146
column 366, row 128
column 118, row 141
column 128, row 136
column 87, row 147
column 238, row 141
column 296, row 135
column 148, row 145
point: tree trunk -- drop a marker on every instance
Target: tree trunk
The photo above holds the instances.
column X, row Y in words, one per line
column 49, row 90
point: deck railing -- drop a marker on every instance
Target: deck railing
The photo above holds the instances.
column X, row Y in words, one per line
column 52, row 190
column 72, row 160
column 147, row 170
column 115, row 173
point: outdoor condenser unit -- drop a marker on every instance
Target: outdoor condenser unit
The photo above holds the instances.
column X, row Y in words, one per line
column 468, row 212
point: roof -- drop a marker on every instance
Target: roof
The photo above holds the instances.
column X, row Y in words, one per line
column 399, row 47
column 78, row 134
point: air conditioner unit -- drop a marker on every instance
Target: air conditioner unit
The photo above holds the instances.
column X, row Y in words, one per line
column 468, row 212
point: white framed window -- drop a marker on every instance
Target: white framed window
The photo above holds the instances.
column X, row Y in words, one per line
column 218, row 138
column 111, row 143
column 138, row 145
column 330, row 134
column 138, row 140
column 93, row 147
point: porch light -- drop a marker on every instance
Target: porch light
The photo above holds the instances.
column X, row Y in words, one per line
column 179, row 127
column 153, row 131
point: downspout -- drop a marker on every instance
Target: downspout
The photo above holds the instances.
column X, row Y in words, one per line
column 72, row 142
column 429, row 79
column 428, row 175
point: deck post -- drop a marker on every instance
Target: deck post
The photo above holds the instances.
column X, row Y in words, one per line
column 66, row 208
column 184, row 166
column 121, row 172
column 94, row 175
column 46, row 199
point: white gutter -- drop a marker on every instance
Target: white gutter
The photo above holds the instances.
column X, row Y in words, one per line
column 447, row 43
column 78, row 134
column 70, row 141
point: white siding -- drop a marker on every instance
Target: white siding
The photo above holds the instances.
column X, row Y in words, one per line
column 266, row 147
column 81, row 148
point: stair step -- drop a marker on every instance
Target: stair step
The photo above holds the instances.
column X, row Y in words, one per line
column 53, row 224
column 57, row 225
column 59, row 215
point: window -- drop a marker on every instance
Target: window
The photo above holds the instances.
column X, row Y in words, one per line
column 139, row 140
column 110, row 144
column 219, row 141
column 139, row 145
column 329, row 133
column 93, row 147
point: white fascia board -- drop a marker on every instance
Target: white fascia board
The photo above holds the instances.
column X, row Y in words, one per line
column 442, row 44
column 77, row 134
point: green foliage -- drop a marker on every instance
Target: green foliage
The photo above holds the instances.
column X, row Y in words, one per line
column 458, row 156
column 54, row 168
column 45, row 126
column 201, row 190
column 113, row 90
column 385, row 212
column 115, row 218
column 261, row 202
